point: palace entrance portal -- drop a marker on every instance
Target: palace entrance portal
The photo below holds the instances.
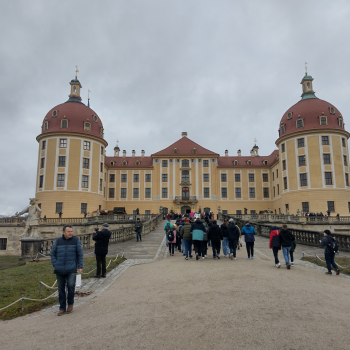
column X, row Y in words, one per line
column 185, row 209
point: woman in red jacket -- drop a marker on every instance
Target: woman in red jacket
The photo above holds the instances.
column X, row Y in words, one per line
column 275, row 243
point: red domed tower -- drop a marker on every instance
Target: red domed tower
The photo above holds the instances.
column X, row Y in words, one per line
column 71, row 172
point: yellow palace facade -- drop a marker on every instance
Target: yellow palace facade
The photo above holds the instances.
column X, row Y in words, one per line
column 309, row 170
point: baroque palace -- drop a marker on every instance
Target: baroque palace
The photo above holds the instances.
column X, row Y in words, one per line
column 308, row 172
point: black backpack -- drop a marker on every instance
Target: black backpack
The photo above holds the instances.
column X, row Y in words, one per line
column 333, row 245
column 171, row 235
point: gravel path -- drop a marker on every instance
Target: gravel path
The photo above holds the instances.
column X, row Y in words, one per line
column 176, row 304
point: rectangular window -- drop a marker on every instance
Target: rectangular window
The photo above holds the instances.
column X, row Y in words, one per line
column 325, row 140
column 42, row 164
column 266, row 192
column 60, row 180
column 302, row 161
column 328, row 178
column 342, row 142
column 148, row 177
column 251, row 177
column 63, row 143
column 164, row 163
column 86, row 163
column 252, row 212
column 274, row 192
column 64, row 124
column 303, row 179
column 285, row 183
column 62, row 161
column 101, row 184
column 206, row 192
column 136, row 192
column 238, row 177
column 111, row 192
column 330, row 206
column 164, row 192
column 59, row 207
column 136, row 177
column 83, row 208
column 164, row 177
column 326, row 159
column 273, row 176
column 347, row 179
column 224, row 192
column 278, row 189
column 206, row 177
column 101, row 167
column 239, row 212
column 205, row 163
column 238, row 192
column 283, row 146
column 147, row 213
column 284, row 166
column 299, row 123
column 43, row 145
column 124, row 177
column 251, row 192
column 349, row 206
column 147, row 193
column 87, row 145
column 111, row 178
column 345, row 161
column 265, row 177
column 41, row 181
column 123, row 193
column 305, row 206
column 301, row 142
column 323, row 121
column 223, row 178
column 3, row 243
column 101, row 151
column 85, row 181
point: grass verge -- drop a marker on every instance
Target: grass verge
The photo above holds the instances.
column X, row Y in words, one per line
column 341, row 261
column 7, row 262
column 24, row 280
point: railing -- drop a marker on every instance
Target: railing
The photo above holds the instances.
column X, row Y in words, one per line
column 186, row 199
column 12, row 220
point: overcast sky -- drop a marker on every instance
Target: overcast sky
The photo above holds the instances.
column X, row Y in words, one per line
column 224, row 71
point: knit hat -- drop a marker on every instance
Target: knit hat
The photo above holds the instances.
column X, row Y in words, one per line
column 327, row 232
column 231, row 220
column 105, row 225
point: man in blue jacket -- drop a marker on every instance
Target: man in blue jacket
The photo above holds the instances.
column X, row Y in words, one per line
column 66, row 258
column 249, row 233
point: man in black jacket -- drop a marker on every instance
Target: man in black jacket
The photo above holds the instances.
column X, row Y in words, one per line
column 233, row 237
column 286, row 240
column 215, row 236
column 101, row 239
column 138, row 229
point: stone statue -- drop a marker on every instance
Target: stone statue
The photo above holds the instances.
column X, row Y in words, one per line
column 33, row 218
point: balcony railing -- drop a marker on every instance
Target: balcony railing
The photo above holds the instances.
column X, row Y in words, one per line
column 185, row 199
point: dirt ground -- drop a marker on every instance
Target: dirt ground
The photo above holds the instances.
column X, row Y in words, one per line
column 178, row 304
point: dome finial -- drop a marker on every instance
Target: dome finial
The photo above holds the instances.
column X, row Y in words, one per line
column 76, row 72
column 305, row 68
column 89, row 98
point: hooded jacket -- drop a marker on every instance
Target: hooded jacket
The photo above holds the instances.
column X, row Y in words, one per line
column 286, row 238
column 198, row 230
column 324, row 243
column 215, row 233
column 224, row 230
column 185, row 231
column 138, row 226
column 275, row 239
column 233, row 232
column 249, row 233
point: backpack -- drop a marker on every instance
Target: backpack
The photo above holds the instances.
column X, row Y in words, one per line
column 171, row 236
column 333, row 245
column 167, row 227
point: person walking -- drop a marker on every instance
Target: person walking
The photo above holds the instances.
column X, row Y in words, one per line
column 329, row 254
column 205, row 236
column 275, row 244
column 225, row 246
column 172, row 240
column 197, row 231
column 178, row 226
column 291, row 252
column 138, row 229
column 249, row 233
column 233, row 237
column 286, row 241
column 215, row 236
column 66, row 258
column 101, row 239
column 167, row 228
column 186, row 236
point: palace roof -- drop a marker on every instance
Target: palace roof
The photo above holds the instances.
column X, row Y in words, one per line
column 131, row 162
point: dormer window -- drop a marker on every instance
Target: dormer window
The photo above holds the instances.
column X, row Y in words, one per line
column 249, row 162
column 101, row 132
column 175, row 150
column 64, row 124
column 137, row 162
column 323, row 120
column 265, row 162
column 94, row 118
column 112, row 163
column 300, row 123
column 331, row 110
column 125, row 162
column 194, row 150
column 87, row 126
column 46, row 125
column 235, row 162
column 290, row 115
column 340, row 122
column 54, row 114
column 283, row 129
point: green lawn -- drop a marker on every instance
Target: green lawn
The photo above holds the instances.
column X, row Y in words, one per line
column 345, row 262
column 24, row 280
column 10, row 261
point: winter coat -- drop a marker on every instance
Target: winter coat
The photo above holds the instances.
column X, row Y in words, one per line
column 168, row 217
column 101, row 239
column 324, row 243
column 275, row 238
column 224, row 230
column 174, row 232
column 205, row 235
column 167, row 226
column 66, row 255
column 233, row 232
column 185, row 231
column 248, row 232
column 178, row 229
column 293, row 246
column 198, row 230
column 138, row 226
column 215, row 233
column 286, row 238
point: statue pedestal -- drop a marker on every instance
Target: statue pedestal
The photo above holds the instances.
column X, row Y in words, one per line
column 30, row 247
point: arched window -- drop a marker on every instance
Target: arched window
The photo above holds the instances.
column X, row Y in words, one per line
column 64, row 123
column 137, row 162
column 125, row 162
column 194, row 150
column 185, row 175
column 175, row 150
column 185, row 163
column 46, row 125
column 185, row 193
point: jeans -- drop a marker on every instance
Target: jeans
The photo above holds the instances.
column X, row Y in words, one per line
column 225, row 247
column 233, row 246
column 101, row 260
column 216, row 248
column 250, row 248
column 138, row 234
column 275, row 254
column 171, row 248
column 285, row 251
column 330, row 261
column 61, row 284
column 198, row 247
column 187, row 244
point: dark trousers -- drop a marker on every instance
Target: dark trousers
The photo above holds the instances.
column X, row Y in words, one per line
column 216, row 245
column 198, row 247
column 291, row 256
column 171, row 248
column 232, row 243
column 138, row 234
column 178, row 243
column 330, row 261
column 62, row 280
column 250, row 248
column 101, row 260
column 204, row 247
column 275, row 254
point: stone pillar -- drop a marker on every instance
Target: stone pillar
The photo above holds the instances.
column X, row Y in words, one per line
column 30, row 247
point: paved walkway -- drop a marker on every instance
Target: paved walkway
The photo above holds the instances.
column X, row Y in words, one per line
column 177, row 304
